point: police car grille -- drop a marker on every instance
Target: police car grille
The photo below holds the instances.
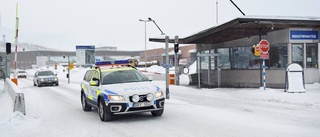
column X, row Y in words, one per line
column 142, row 98
column 141, row 108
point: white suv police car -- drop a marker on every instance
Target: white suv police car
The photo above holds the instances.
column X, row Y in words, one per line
column 118, row 88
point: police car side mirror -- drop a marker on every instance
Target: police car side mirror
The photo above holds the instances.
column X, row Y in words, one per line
column 94, row 82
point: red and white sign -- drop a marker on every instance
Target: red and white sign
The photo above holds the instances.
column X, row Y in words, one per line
column 264, row 46
column 264, row 49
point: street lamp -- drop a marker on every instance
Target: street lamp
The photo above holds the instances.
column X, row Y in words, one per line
column 145, row 41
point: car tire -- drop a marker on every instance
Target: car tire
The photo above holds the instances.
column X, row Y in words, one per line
column 57, row 84
column 34, row 84
column 104, row 113
column 84, row 103
column 39, row 85
column 157, row 112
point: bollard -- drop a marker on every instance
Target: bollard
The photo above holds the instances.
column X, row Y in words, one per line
column 171, row 79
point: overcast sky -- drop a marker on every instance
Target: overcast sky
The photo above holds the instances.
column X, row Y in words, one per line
column 63, row 24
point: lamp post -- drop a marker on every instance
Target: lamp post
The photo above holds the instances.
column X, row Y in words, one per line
column 145, row 41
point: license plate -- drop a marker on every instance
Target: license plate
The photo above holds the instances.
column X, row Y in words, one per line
column 142, row 104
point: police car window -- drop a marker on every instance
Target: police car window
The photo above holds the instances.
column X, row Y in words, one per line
column 88, row 75
column 85, row 76
column 95, row 74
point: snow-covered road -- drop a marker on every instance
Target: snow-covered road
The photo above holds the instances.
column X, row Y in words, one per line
column 56, row 111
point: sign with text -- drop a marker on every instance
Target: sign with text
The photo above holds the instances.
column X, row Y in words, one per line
column 304, row 35
column 85, row 55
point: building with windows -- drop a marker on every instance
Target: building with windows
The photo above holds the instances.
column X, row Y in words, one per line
column 226, row 60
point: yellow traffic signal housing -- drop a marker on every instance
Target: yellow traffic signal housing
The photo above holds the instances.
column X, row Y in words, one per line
column 71, row 65
column 256, row 50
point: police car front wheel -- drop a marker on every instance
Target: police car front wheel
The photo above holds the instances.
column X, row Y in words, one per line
column 104, row 113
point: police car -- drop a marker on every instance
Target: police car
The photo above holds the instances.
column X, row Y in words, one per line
column 118, row 88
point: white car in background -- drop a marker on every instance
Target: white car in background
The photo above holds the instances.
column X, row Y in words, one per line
column 22, row 74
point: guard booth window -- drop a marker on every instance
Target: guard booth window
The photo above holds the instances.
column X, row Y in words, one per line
column 297, row 54
column 224, row 58
column 204, row 60
column 242, row 58
column 278, row 56
column 312, row 55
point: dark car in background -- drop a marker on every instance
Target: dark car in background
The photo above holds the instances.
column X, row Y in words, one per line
column 45, row 77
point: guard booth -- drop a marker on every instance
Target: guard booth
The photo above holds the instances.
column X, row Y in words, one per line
column 294, row 79
column 214, row 70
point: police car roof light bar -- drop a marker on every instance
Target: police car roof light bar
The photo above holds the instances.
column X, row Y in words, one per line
column 113, row 63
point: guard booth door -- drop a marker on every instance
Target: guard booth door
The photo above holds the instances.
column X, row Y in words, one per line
column 210, row 62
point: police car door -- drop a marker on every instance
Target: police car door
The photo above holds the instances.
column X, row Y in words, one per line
column 94, row 89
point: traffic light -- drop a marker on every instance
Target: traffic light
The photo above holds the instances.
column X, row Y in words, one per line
column 8, row 48
column 71, row 65
column 255, row 50
column 176, row 47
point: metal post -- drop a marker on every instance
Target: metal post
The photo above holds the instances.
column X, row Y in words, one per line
column 217, row 12
column 7, row 59
column 264, row 73
column 69, row 69
column 219, row 71
column 167, row 68
column 145, row 45
column 176, row 67
column 199, row 68
column 145, row 41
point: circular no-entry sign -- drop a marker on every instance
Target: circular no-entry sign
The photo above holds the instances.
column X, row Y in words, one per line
column 264, row 46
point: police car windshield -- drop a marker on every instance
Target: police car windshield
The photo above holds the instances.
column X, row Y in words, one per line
column 122, row 76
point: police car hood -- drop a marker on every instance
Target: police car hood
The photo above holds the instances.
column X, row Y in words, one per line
column 131, row 88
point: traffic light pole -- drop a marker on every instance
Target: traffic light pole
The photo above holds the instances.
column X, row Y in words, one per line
column 176, row 67
column 7, row 58
column 167, row 68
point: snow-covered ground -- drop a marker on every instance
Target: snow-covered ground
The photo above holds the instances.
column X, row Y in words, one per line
column 240, row 112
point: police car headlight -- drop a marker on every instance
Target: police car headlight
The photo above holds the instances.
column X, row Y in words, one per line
column 41, row 79
column 55, row 79
column 159, row 94
column 116, row 98
column 149, row 97
column 135, row 98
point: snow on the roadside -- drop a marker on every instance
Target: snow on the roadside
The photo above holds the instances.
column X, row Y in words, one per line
column 225, row 110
